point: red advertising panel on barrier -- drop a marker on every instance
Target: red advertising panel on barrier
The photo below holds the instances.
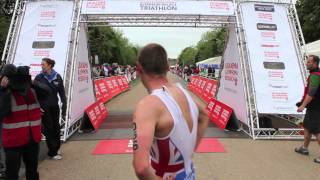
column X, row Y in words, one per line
column 97, row 113
column 102, row 91
column 110, row 86
column 214, row 88
column 107, row 88
column 203, row 87
column 219, row 113
column 207, row 91
column 125, row 82
column 120, row 83
column 115, row 84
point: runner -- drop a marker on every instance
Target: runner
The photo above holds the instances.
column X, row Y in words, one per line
column 168, row 124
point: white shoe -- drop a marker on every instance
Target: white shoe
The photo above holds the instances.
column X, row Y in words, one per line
column 56, row 157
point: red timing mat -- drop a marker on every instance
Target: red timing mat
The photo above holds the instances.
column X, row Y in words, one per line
column 124, row 146
column 115, row 146
column 210, row 145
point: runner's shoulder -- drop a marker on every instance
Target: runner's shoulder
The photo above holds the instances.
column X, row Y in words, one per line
column 149, row 101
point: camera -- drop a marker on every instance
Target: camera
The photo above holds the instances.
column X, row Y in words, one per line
column 21, row 79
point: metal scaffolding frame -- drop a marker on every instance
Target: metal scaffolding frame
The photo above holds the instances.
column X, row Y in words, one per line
column 254, row 130
column 168, row 20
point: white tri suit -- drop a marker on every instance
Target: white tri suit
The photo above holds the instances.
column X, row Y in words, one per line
column 173, row 154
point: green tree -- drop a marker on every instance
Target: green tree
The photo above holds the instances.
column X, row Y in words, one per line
column 187, row 56
column 309, row 16
column 211, row 44
column 111, row 46
column 6, row 9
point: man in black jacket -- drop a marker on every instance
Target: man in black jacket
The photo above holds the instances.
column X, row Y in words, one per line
column 50, row 106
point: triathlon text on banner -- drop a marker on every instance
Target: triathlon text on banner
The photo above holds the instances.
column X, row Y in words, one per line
column 223, row 8
column 97, row 113
column 219, row 113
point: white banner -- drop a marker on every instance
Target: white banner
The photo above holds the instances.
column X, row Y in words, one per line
column 231, row 90
column 277, row 79
column 224, row 8
column 44, row 33
column 82, row 87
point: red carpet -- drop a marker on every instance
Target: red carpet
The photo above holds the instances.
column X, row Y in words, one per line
column 124, row 146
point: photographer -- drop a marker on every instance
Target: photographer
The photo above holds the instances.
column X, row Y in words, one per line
column 21, row 121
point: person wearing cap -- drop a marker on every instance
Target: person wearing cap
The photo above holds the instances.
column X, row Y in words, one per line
column 21, row 122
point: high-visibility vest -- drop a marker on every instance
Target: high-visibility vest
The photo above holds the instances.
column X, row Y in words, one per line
column 24, row 122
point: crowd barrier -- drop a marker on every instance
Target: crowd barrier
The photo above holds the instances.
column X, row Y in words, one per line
column 105, row 90
column 219, row 113
column 203, row 87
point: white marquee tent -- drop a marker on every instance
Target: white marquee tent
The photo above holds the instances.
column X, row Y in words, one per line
column 313, row 48
column 216, row 61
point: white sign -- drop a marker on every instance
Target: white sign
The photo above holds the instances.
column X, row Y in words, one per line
column 82, row 95
column 44, row 33
column 277, row 79
column 231, row 90
column 224, row 8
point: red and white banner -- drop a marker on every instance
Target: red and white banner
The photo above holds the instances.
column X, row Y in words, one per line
column 44, row 32
column 97, row 113
column 103, row 93
column 116, row 87
column 221, row 8
column 276, row 72
column 231, row 86
column 107, row 88
column 203, row 87
column 82, row 87
column 125, row 82
column 219, row 113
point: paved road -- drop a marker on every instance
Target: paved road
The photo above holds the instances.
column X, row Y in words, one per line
column 245, row 159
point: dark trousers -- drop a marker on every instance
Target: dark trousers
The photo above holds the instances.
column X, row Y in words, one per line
column 51, row 129
column 29, row 153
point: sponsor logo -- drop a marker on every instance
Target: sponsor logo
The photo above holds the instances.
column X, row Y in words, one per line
column 265, row 26
column 96, row 4
column 231, row 72
column 262, row 7
column 265, row 16
column 268, row 35
column 219, row 5
column 46, row 25
column 270, row 45
column 48, row 14
column 280, row 96
column 158, row 6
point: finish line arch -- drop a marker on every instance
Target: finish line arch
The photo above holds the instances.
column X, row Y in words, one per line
column 62, row 24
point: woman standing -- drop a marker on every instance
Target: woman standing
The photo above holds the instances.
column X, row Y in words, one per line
column 50, row 106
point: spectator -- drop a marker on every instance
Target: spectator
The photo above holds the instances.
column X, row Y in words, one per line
column 21, row 122
column 311, row 101
column 50, row 106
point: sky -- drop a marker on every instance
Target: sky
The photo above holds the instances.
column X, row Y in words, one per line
column 174, row 40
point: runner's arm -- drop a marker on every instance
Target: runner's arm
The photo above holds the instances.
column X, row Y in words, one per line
column 203, row 121
column 145, row 120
